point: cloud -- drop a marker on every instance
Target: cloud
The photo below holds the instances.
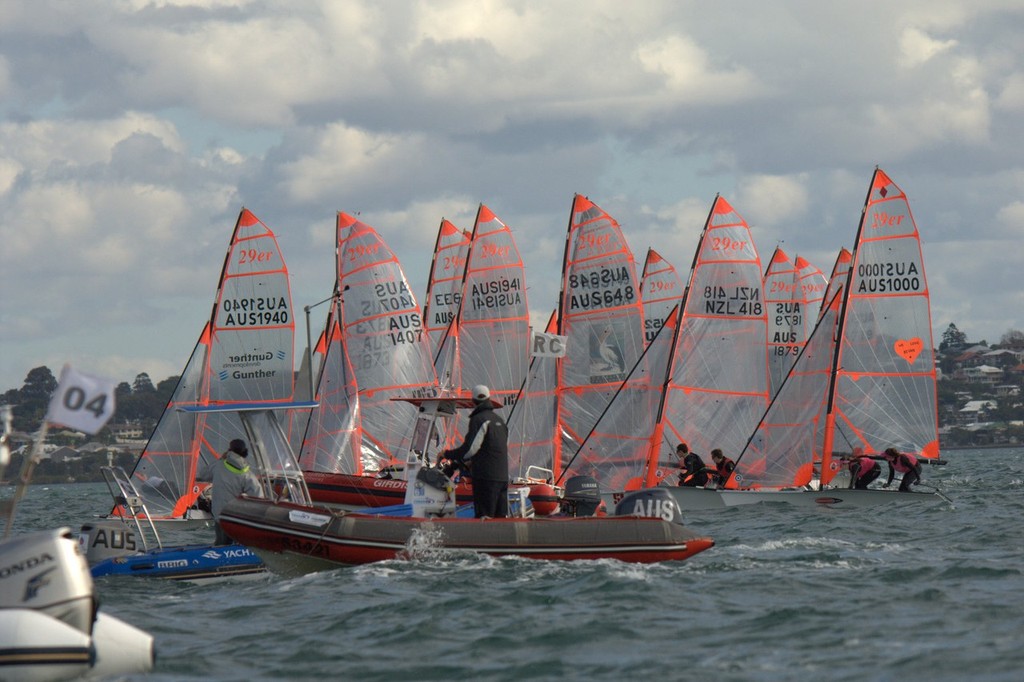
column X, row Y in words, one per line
column 917, row 47
column 133, row 132
column 774, row 199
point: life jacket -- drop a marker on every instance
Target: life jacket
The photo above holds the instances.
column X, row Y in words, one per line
column 905, row 462
column 864, row 465
column 725, row 469
column 235, row 469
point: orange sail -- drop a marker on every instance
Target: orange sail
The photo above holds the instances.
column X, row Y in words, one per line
column 601, row 316
column 718, row 386
column 810, row 292
column 244, row 354
column 661, row 291
column 785, row 316
column 840, row 273
column 382, row 334
column 444, row 284
column 866, row 378
column 487, row 342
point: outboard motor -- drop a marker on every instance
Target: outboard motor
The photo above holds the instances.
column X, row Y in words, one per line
column 44, row 571
column 49, row 616
column 650, row 502
column 431, row 493
column 102, row 540
column 582, row 496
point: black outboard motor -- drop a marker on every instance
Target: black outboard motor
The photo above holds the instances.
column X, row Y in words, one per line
column 654, row 502
column 582, row 496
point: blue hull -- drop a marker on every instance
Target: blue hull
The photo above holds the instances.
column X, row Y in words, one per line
column 191, row 562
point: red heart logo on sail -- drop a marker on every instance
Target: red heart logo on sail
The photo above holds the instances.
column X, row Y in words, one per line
column 909, row 349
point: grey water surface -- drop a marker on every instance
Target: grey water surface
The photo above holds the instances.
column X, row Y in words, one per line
column 921, row 591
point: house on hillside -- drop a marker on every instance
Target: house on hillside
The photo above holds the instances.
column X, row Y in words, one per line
column 64, row 454
column 981, row 374
column 971, row 357
column 976, row 411
column 1002, row 358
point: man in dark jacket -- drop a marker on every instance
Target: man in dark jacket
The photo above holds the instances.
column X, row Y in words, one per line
column 485, row 452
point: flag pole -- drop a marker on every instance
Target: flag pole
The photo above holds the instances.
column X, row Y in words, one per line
column 25, row 475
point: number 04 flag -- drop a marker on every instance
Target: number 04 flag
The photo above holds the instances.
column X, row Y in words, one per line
column 81, row 402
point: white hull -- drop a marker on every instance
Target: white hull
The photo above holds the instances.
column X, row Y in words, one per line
column 693, row 499
column 705, row 499
column 173, row 525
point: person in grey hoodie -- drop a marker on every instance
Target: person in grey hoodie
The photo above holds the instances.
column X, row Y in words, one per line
column 231, row 477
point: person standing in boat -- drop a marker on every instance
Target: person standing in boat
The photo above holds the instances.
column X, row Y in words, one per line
column 485, row 452
column 723, row 467
column 231, row 477
column 694, row 472
column 906, row 464
column 863, row 470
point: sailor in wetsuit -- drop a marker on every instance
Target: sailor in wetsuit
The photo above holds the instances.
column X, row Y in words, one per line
column 694, row 473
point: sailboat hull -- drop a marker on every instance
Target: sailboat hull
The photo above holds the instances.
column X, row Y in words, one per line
column 703, row 499
column 312, row 538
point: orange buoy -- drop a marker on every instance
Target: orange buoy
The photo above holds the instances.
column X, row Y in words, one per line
column 544, row 499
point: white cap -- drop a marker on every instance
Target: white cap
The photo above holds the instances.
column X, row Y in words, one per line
column 481, row 393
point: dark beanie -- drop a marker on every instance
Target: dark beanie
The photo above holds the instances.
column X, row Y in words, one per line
column 238, row 447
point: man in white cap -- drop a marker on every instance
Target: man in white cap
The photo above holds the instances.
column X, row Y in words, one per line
column 485, row 451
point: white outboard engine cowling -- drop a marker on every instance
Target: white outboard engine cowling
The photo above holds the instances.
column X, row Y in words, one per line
column 49, row 616
column 650, row 502
column 431, row 493
column 44, row 571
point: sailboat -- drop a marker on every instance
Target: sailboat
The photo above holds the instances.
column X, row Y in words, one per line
column 244, row 353
column 718, row 384
column 488, row 340
column 793, row 293
column 660, row 290
column 864, row 382
column 374, row 351
column 810, row 292
column 840, row 273
column 444, row 283
column 785, row 316
column 602, row 317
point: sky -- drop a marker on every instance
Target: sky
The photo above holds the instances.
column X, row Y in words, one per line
column 132, row 132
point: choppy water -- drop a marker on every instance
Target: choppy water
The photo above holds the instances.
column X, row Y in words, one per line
column 913, row 592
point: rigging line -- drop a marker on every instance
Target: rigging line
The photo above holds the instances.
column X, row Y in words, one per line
column 618, row 390
column 779, row 391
